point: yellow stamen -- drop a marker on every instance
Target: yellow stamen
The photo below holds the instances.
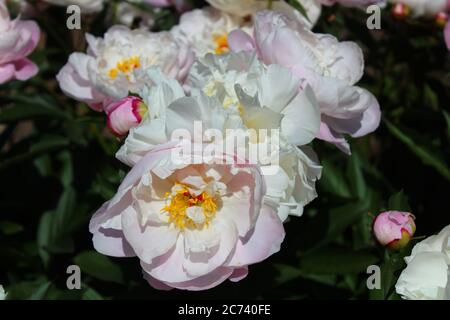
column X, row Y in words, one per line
column 125, row 66
column 221, row 42
column 182, row 200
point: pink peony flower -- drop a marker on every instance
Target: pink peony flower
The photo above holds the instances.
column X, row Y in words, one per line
column 394, row 229
column 117, row 64
column 447, row 35
column 330, row 67
column 17, row 40
column 125, row 114
column 191, row 225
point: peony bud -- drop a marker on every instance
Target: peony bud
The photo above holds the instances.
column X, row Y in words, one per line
column 401, row 11
column 125, row 114
column 394, row 229
column 441, row 19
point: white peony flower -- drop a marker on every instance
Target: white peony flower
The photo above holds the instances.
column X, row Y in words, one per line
column 117, row 64
column 236, row 91
column 248, row 7
column 266, row 97
column 87, row 6
column 206, row 30
column 427, row 275
column 2, row 293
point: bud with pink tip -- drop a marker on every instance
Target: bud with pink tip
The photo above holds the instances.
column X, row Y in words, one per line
column 394, row 229
column 125, row 114
column 401, row 11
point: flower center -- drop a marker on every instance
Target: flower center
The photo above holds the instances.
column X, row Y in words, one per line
column 186, row 210
column 125, row 66
column 221, row 42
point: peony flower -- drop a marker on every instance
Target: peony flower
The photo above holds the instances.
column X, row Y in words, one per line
column 191, row 226
column 86, row 6
column 206, row 30
column 17, row 40
column 427, row 275
column 447, row 35
column 125, row 114
column 2, row 293
column 116, row 64
column 330, row 67
column 239, row 92
column 394, row 229
column 423, row 7
column 250, row 7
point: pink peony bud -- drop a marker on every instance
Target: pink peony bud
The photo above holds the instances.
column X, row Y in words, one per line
column 441, row 19
column 401, row 11
column 394, row 229
column 125, row 114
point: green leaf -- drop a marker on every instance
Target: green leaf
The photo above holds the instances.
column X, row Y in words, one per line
column 41, row 292
column 66, row 175
column 46, row 144
column 9, row 228
column 356, row 176
column 447, row 121
column 333, row 181
column 337, row 261
column 55, row 227
column 341, row 218
column 99, row 267
column 31, row 107
column 91, row 294
column 422, row 152
column 299, row 7
column 399, row 202
column 430, row 97
column 286, row 273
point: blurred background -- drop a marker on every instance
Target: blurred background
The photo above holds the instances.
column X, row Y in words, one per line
column 57, row 167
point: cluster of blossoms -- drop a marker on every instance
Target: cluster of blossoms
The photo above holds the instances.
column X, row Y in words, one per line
column 194, row 224
column 233, row 67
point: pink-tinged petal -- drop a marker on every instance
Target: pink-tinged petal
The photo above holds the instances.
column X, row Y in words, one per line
column 148, row 241
column 265, row 240
column 25, row 69
column 244, row 211
column 200, row 262
column 159, row 3
column 30, row 35
column 360, row 125
column 335, row 138
column 74, row 81
column 124, row 114
column 6, row 73
column 349, row 65
column 389, row 226
column 169, row 267
column 301, row 118
column 239, row 40
column 239, row 274
column 447, row 35
column 158, row 285
column 111, row 242
column 106, row 216
column 205, row 282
